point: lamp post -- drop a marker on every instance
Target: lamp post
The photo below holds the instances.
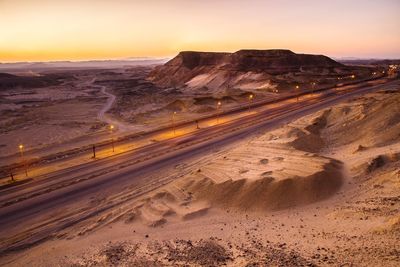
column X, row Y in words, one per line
column 94, row 151
column 250, row 100
column 112, row 137
column 297, row 89
column 21, row 152
column 218, row 107
column 313, row 86
column 173, row 121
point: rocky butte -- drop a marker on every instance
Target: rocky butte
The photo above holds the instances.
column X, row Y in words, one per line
column 249, row 70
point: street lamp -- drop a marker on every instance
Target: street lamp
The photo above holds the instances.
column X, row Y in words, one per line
column 112, row 137
column 250, row 100
column 21, row 152
column 353, row 76
column 297, row 88
column 173, row 121
column 218, row 107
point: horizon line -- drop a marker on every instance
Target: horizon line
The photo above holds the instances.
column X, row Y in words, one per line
column 170, row 57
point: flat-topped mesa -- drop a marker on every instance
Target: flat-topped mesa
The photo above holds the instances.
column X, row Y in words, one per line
column 219, row 69
column 192, row 59
column 278, row 59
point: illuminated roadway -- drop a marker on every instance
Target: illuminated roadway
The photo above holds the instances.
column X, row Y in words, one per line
column 56, row 200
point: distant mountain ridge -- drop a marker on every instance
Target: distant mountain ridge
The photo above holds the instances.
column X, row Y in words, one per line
column 80, row 64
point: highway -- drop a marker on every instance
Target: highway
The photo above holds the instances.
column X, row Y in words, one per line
column 52, row 158
column 60, row 197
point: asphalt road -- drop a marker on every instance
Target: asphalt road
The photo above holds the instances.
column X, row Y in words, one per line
column 33, row 212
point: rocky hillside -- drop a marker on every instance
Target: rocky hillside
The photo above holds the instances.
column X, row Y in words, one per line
column 249, row 70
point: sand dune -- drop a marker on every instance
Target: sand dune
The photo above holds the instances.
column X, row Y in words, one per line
column 269, row 173
column 270, row 176
column 371, row 121
column 322, row 190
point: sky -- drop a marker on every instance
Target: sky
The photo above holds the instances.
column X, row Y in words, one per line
column 47, row 30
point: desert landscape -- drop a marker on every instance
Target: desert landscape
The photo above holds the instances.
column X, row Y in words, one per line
column 322, row 189
column 176, row 133
column 145, row 99
column 245, row 206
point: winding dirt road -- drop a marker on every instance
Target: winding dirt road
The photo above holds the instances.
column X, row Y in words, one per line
column 102, row 116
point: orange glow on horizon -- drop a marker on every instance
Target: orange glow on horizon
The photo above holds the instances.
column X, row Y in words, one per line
column 45, row 30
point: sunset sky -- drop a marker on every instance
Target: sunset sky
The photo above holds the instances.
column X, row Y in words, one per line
column 41, row 30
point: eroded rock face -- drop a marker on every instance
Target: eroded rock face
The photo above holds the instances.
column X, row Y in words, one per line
column 278, row 61
column 208, row 69
column 192, row 60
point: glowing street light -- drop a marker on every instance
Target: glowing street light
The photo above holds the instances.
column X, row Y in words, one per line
column 21, row 152
column 173, row 122
column 297, row 89
column 313, row 84
column 353, row 76
column 251, row 96
column 112, row 136
column 218, row 107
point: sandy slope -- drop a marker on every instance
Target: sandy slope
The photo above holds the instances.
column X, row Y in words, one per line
column 323, row 190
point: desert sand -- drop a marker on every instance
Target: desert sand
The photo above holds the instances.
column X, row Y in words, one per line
column 322, row 190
